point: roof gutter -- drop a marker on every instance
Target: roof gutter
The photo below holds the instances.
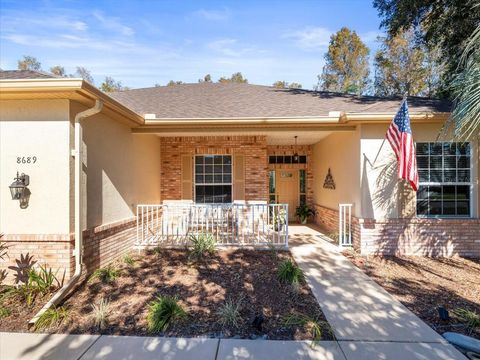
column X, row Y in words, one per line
column 78, row 154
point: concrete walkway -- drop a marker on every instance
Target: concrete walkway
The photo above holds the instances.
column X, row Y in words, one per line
column 368, row 322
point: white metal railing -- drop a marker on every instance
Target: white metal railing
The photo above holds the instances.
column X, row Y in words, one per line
column 252, row 224
column 345, row 225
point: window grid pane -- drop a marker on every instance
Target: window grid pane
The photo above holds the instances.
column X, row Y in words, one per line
column 445, row 179
column 213, row 179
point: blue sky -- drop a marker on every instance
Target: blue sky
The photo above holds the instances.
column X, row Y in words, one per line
column 145, row 42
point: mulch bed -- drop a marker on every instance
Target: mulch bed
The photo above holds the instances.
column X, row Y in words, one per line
column 201, row 287
column 423, row 284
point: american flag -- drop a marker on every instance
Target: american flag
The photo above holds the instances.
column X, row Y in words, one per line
column 399, row 135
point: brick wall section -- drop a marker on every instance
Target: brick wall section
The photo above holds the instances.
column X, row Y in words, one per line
column 301, row 150
column 53, row 250
column 253, row 147
column 101, row 245
column 426, row 237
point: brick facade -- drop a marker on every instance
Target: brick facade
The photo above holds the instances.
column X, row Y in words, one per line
column 408, row 236
column 254, row 148
column 101, row 245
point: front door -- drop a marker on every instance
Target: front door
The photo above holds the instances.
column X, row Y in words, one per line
column 287, row 190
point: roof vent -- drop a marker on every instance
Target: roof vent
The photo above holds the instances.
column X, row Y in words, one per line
column 150, row 116
column 336, row 114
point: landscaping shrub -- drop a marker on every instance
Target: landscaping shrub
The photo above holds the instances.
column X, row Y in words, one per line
column 163, row 312
column 128, row 259
column 4, row 311
column 3, row 256
column 470, row 318
column 312, row 325
column 289, row 272
column 202, row 245
column 106, row 275
column 52, row 317
column 229, row 313
column 101, row 312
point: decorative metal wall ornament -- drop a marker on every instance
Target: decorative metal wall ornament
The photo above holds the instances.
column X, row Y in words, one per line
column 329, row 183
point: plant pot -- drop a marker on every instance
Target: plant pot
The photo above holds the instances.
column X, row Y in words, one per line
column 303, row 221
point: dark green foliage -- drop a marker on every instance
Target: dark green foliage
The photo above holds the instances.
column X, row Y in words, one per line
column 106, row 275
column 163, row 312
column 289, row 272
column 202, row 245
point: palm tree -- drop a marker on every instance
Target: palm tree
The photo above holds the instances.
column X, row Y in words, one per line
column 465, row 118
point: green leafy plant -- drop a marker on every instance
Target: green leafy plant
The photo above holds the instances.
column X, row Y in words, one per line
column 128, row 259
column 470, row 318
column 312, row 325
column 52, row 317
column 289, row 272
column 3, row 256
column 163, row 312
column 101, row 312
column 106, row 275
column 4, row 311
column 303, row 212
column 202, row 244
column 43, row 279
column 229, row 313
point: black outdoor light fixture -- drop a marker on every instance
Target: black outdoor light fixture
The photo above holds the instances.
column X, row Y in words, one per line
column 18, row 189
column 296, row 158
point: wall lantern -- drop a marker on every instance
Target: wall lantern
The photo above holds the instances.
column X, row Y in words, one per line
column 296, row 158
column 19, row 190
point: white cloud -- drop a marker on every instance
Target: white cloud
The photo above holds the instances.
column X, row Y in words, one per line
column 229, row 47
column 213, row 15
column 316, row 38
column 113, row 24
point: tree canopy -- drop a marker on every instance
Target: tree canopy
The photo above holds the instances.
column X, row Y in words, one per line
column 346, row 68
column 58, row 70
column 29, row 63
column 282, row 84
column 235, row 78
column 85, row 74
column 110, row 85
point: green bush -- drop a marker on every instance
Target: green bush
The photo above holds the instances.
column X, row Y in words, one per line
column 289, row 272
column 106, row 275
column 202, row 244
column 163, row 312
column 229, row 313
column 52, row 317
column 470, row 318
column 4, row 311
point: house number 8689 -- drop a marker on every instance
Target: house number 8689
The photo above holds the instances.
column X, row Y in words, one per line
column 26, row 159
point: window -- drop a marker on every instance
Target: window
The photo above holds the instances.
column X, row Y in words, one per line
column 303, row 187
column 286, row 159
column 445, row 183
column 271, row 187
column 213, row 179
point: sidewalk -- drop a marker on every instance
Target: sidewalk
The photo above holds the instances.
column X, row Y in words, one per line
column 368, row 322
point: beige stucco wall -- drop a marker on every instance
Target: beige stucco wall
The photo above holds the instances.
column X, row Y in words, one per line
column 382, row 195
column 121, row 169
column 340, row 151
column 38, row 128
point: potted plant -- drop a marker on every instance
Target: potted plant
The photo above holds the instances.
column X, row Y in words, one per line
column 280, row 219
column 303, row 212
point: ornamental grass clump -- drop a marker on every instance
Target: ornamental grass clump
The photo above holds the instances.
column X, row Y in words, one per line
column 312, row 325
column 101, row 311
column 229, row 313
column 290, row 273
column 52, row 317
column 470, row 318
column 163, row 312
column 106, row 275
column 203, row 244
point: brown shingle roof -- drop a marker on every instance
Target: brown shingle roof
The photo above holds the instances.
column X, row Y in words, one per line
column 214, row 100
column 25, row 74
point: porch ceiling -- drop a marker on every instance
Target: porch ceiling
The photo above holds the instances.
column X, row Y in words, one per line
column 273, row 137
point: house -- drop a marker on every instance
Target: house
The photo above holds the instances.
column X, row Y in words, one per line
column 92, row 158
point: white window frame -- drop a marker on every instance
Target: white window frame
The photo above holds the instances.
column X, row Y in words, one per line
column 471, row 184
column 211, row 184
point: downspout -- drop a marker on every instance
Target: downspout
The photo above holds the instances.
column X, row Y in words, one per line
column 78, row 154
